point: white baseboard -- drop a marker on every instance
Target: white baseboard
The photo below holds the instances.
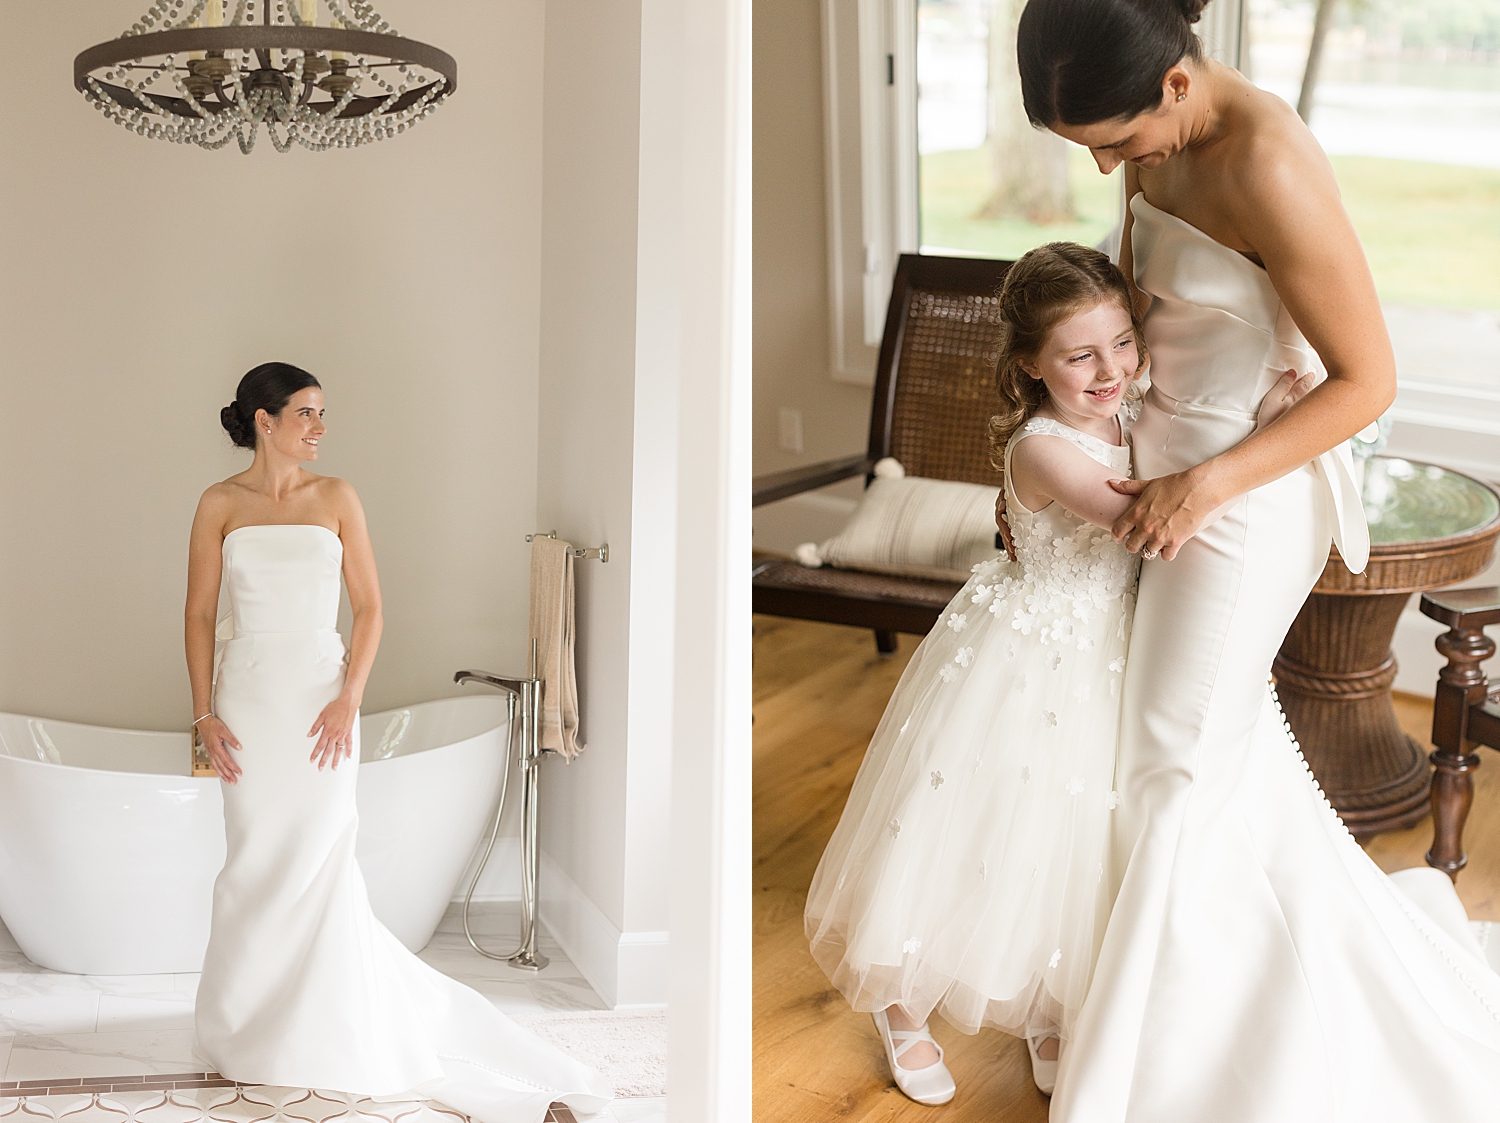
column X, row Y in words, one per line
column 624, row 968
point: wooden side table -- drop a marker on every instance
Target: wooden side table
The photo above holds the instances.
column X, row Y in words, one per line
column 1429, row 527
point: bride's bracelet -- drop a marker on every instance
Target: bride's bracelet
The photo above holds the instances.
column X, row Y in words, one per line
column 207, row 715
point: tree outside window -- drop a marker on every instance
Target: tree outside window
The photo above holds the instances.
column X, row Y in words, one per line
column 1404, row 95
column 991, row 185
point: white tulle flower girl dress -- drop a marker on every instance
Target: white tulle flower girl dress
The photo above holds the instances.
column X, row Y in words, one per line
column 969, row 873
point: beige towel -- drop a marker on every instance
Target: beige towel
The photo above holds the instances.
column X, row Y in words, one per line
column 552, row 628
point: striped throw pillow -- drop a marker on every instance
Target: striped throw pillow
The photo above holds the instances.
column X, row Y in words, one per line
column 914, row 527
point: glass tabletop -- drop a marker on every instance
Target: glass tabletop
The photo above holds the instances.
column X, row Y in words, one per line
column 1407, row 501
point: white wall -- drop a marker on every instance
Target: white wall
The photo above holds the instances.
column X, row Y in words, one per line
column 144, row 278
column 605, row 817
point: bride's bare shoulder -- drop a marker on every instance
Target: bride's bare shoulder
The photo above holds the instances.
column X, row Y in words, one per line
column 222, row 495
column 333, row 489
column 338, row 496
column 1274, row 155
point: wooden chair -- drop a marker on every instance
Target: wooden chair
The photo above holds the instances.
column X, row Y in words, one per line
column 1465, row 714
column 934, row 392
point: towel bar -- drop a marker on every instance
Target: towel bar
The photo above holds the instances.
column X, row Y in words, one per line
column 602, row 552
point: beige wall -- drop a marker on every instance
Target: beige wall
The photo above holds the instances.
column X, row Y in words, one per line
column 143, row 278
column 590, row 172
column 791, row 256
column 605, row 413
column 791, row 319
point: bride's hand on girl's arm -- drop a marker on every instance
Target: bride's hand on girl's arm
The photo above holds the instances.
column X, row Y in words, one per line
column 1167, row 512
column 334, row 730
column 1170, row 510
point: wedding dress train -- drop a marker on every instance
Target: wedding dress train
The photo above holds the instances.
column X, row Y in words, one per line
column 1257, row 966
column 302, row 985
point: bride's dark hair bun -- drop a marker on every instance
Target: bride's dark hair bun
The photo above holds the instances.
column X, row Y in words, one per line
column 1087, row 61
column 269, row 387
column 236, row 426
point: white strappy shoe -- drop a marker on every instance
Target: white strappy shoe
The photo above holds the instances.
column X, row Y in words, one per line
column 932, row 1085
column 1043, row 1072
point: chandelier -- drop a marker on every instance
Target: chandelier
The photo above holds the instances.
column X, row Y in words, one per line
column 186, row 74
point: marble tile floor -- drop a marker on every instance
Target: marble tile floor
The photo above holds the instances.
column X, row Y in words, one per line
column 73, row 1026
column 59, row 1033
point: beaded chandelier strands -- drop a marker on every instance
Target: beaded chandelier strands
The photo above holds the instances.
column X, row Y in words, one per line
column 190, row 72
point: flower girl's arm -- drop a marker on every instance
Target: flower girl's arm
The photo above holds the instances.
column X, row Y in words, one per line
column 1046, row 469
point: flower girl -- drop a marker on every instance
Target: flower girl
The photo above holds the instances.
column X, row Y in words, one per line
column 969, row 873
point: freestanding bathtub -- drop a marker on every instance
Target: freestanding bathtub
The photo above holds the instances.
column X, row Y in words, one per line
column 109, row 846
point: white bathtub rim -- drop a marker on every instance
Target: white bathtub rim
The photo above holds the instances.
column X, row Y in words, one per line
column 176, row 776
column 154, row 778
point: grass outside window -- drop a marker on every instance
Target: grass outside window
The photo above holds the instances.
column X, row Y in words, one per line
column 1430, row 231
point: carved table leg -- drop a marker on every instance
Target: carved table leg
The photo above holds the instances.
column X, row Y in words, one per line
column 1334, row 675
column 1460, row 683
column 1452, row 793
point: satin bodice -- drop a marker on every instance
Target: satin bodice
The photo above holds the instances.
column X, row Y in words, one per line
column 1220, row 338
column 283, row 577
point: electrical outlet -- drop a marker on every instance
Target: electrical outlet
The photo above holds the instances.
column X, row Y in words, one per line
column 791, row 429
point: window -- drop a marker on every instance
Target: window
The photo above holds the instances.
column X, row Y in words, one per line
column 924, row 126
column 989, row 183
column 1404, row 96
column 920, row 104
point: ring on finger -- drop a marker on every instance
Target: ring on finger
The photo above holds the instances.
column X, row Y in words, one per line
column 1148, row 555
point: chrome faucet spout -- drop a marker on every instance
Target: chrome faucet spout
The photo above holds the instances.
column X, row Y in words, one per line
column 488, row 678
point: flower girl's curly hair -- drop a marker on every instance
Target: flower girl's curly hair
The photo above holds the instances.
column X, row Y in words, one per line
column 1044, row 288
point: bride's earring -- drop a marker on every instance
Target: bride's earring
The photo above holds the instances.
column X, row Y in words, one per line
column 1182, row 97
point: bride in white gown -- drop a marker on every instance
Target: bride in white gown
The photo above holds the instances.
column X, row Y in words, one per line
column 1257, row 966
column 302, row 986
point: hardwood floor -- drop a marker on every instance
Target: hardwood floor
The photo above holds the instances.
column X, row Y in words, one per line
column 819, row 692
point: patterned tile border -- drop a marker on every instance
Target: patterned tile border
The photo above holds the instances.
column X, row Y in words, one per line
column 155, row 1082
column 22, row 1090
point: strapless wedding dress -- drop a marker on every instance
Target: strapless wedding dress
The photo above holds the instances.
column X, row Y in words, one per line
column 301, row 985
column 1257, row 966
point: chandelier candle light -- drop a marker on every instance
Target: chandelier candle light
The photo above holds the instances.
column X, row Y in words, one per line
column 187, row 74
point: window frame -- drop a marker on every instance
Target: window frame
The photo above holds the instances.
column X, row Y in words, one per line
column 873, row 201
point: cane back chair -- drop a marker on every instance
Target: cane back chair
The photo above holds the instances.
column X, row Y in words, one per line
column 934, row 395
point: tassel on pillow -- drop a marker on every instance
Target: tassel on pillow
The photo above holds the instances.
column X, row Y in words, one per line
column 886, row 468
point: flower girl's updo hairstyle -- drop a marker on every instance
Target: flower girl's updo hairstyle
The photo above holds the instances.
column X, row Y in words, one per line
column 269, row 387
column 1086, row 61
column 1044, row 288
